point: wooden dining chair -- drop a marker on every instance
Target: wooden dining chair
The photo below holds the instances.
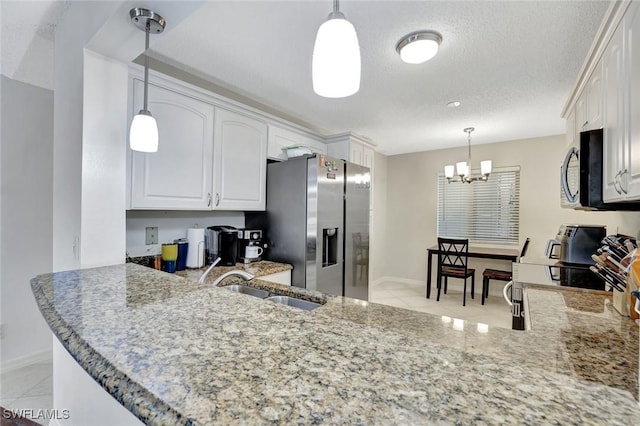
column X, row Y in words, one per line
column 453, row 260
column 497, row 274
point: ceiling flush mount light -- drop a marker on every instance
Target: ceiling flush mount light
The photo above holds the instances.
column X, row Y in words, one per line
column 453, row 104
column 143, row 134
column 419, row 46
column 463, row 169
column 336, row 57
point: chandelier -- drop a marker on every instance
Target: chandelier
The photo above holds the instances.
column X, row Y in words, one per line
column 463, row 169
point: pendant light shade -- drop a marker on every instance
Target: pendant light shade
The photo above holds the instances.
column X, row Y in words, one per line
column 143, row 134
column 336, row 58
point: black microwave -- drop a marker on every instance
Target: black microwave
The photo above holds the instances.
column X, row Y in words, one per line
column 581, row 176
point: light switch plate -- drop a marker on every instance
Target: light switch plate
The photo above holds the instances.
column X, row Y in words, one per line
column 151, row 235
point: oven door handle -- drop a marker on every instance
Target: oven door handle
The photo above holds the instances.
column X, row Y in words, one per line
column 505, row 291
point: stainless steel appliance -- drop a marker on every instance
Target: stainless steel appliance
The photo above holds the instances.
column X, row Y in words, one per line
column 579, row 242
column 317, row 219
column 221, row 241
column 574, row 244
column 248, row 238
column 581, row 176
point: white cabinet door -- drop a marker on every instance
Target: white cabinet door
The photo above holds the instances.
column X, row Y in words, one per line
column 367, row 157
column 179, row 175
column 631, row 179
column 612, row 95
column 594, row 100
column 581, row 112
column 355, row 153
column 571, row 128
column 240, row 161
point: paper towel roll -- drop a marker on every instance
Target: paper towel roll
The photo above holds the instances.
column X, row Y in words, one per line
column 195, row 254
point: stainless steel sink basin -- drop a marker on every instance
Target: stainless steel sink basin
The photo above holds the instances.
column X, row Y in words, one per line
column 239, row 288
column 296, row 303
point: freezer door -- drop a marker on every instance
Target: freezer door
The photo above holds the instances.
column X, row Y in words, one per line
column 325, row 219
column 287, row 216
column 356, row 244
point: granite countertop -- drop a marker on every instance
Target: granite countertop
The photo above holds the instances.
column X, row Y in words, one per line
column 173, row 351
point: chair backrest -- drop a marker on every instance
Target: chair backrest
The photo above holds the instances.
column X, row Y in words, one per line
column 453, row 252
column 525, row 246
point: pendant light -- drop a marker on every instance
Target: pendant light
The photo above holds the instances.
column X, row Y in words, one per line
column 463, row 169
column 143, row 134
column 336, row 57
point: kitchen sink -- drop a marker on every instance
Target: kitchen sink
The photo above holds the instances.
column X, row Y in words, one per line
column 281, row 300
column 296, row 303
column 238, row 288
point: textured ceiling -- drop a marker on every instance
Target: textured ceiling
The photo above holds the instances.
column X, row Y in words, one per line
column 510, row 63
column 27, row 36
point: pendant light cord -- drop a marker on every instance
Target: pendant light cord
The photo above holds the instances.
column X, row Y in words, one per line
column 336, row 6
column 146, row 63
column 469, row 153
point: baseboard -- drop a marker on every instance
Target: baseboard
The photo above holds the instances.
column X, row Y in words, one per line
column 398, row 280
column 33, row 358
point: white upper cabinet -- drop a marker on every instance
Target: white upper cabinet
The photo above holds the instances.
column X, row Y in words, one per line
column 240, row 161
column 280, row 138
column 612, row 120
column 179, row 175
column 610, row 100
column 621, row 74
column 571, row 128
column 594, row 100
column 631, row 179
column 351, row 148
column 354, row 149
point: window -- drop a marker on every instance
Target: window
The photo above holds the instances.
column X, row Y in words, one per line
column 483, row 212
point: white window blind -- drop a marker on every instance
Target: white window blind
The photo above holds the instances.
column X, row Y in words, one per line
column 486, row 212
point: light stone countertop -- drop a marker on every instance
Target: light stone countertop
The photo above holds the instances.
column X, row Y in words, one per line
column 173, row 351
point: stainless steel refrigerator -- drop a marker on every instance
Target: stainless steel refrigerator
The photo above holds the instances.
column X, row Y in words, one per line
column 317, row 219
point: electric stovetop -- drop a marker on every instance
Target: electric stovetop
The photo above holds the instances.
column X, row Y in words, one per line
column 558, row 274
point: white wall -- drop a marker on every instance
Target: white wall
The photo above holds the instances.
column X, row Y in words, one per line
column 81, row 21
column 104, row 145
column 412, row 200
column 378, row 238
column 27, row 145
column 171, row 225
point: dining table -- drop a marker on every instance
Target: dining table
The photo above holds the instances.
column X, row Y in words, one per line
column 476, row 252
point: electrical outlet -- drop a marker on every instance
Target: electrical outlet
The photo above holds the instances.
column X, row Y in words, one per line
column 151, row 235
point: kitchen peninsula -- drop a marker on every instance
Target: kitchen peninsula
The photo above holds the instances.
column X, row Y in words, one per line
column 173, row 351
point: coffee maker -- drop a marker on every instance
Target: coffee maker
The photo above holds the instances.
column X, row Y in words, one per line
column 222, row 241
column 249, row 238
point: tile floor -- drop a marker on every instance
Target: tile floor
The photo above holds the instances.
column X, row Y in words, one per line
column 31, row 387
column 494, row 313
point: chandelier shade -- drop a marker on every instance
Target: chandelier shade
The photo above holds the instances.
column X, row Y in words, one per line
column 462, row 169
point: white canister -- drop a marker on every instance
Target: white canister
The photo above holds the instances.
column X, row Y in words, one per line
column 195, row 254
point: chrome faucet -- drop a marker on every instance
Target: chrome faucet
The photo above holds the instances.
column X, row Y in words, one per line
column 205, row 273
column 236, row 273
